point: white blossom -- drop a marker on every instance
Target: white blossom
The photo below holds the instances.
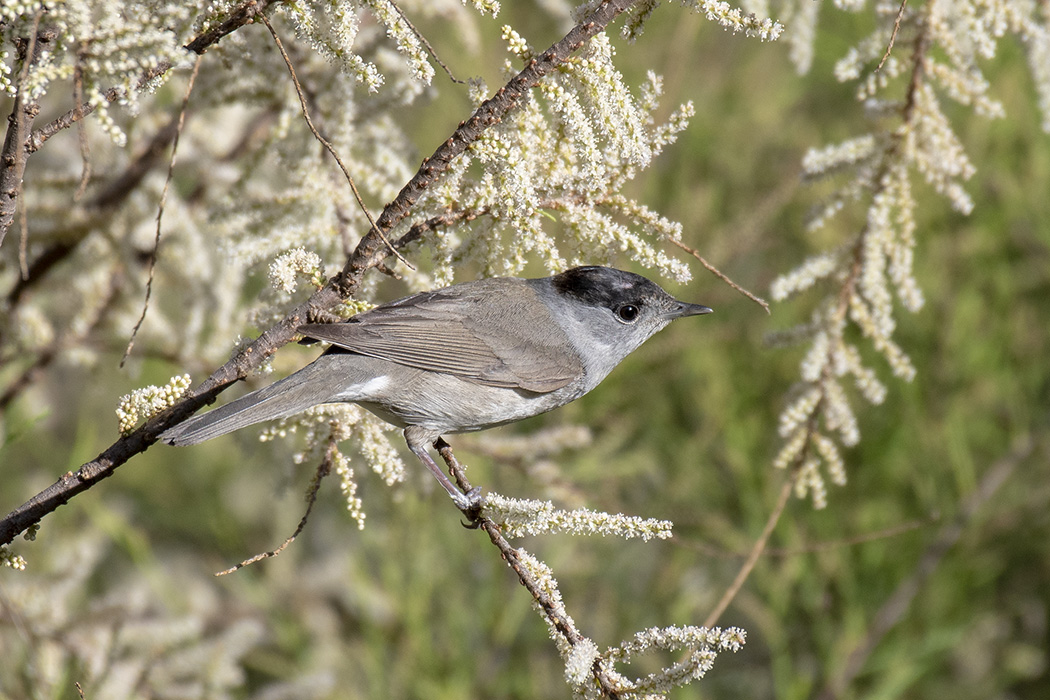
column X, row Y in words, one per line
column 144, row 403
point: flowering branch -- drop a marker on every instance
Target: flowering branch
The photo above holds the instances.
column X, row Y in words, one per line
column 24, row 111
column 370, row 252
column 244, row 14
column 876, row 266
column 587, row 669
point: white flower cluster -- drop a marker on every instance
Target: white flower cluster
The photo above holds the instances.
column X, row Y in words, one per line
column 732, row 19
column 114, row 44
column 701, row 644
column 561, row 158
column 722, row 13
column 332, row 27
column 579, row 662
column 348, row 487
column 520, row 517
column 821, row 161
column 287, row 267
column 11, row 560
column 485, row 7
column 408, row 44
column 144, row 403
column 332, row 33
column 802, row 34
column 366, row 434
column 875, row 268
column 811, row 271
column 936, row 152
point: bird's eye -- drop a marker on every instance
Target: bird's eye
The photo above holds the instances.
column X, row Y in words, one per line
column 628, row 313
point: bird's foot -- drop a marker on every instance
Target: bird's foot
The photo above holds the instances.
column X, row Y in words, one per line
column 471, row 504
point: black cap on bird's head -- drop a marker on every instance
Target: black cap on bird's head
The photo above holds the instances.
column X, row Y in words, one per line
column 624, row 293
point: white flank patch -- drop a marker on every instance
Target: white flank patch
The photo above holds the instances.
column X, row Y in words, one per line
column 364, row 390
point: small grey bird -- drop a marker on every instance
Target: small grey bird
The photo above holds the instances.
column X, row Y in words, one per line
column 466, row 357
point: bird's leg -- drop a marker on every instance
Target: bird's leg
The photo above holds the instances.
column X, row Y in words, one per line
column 466, row 502
column 473, row 494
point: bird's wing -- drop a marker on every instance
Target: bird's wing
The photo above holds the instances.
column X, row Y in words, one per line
column 486, row 332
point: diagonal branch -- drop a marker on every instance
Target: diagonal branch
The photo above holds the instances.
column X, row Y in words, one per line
column 551, row 610
column 370, row 252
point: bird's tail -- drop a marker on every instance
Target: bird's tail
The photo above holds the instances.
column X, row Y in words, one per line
column 293, row 394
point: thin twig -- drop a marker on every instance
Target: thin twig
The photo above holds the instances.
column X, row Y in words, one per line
column 324, row 142
column 323, row 470
column 753, row 557
column 85, row 151
column 722, row 276
column 160, row 209
column 426, row 44
column 784, row 552
column 23, row 239
column 893, row 36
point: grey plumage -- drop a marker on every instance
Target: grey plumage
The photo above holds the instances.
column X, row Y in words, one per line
column 464, row 358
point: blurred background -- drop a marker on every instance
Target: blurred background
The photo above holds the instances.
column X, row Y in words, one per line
column 912, row 582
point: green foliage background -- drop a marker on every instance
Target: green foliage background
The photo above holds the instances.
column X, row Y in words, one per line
column 414, row 606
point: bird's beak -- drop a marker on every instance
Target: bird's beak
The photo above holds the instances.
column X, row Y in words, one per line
column 682, row 308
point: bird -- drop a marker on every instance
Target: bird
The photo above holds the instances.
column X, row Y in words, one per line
column 463, row 358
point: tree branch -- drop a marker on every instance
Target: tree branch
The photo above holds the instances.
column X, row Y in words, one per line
column 552, row 611
column 245, row 14
column 370, row 252
column 13, row 157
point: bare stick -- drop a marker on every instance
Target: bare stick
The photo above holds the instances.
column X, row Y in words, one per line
column 160, row 209
column 722, row 276
column 784, row 552
column 426, row 44
column 85, row 151
column 23, row 239
column 323, row 470
column 328, row 146
column 753, row 557
column 893, row 36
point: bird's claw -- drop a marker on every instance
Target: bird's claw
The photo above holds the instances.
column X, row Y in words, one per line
column 471, row 504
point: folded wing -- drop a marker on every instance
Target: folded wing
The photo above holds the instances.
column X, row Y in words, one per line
column 493, row 332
